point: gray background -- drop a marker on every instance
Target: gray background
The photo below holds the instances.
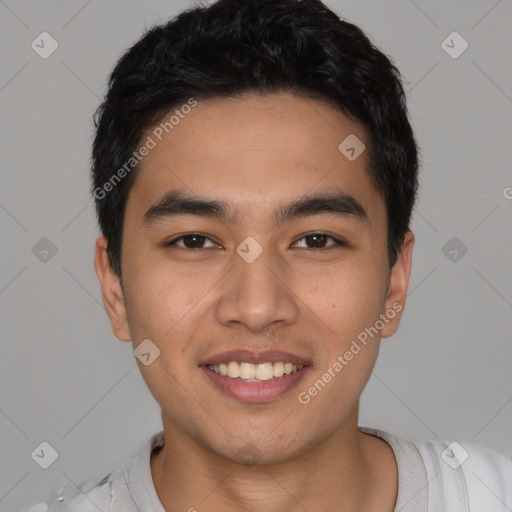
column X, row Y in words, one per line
column 68, row 381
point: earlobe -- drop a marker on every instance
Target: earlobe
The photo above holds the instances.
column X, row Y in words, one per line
column 111, row 290
column 398, row 285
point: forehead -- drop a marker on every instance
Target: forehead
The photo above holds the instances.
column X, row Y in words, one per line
column 255, row 152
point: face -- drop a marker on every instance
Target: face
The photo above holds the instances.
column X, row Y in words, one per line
column 288, row 264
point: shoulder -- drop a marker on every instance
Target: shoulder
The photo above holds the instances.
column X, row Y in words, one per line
column 113, row 493
column 89, row 499
column 469, row 473
column 450, row 475
column 110, row 493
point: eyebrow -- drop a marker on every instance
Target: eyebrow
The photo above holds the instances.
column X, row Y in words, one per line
column 176, row 203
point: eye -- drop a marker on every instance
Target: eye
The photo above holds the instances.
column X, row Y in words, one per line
column 190, row 241
column 320, row 239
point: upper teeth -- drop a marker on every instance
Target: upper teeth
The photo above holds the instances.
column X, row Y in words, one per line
column 254, row 372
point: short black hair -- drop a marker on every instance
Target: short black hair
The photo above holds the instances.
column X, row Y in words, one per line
column 234, row 47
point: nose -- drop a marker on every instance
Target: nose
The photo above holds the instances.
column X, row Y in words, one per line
column 258, row 295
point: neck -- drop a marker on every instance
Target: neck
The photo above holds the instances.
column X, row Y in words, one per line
column 347, row 471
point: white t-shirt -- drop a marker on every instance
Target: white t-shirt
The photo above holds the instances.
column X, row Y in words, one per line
column 433, row 476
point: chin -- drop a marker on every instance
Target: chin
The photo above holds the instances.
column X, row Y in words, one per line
column 255, row 450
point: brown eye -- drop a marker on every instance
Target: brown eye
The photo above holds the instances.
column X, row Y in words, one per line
column 190, row 241
column 318, row 241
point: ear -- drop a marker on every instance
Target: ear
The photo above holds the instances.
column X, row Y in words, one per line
column 111, row 290
column 398, row 284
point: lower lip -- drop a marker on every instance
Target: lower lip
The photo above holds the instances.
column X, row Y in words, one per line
column 255, row 391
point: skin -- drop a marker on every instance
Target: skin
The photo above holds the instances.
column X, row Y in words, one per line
column 257, row 153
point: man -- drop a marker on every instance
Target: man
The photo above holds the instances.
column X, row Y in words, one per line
column 254, row 173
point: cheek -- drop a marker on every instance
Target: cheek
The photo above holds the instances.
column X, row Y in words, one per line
column 349, row 302
column 347, row 299
column 160, row 298
column 164, row 306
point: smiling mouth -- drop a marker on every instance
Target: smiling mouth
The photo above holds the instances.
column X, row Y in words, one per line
column 261, row 372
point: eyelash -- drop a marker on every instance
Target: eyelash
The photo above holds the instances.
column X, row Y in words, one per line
column 338, row 243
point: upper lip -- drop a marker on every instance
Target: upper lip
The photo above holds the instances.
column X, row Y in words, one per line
column 249, row 356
